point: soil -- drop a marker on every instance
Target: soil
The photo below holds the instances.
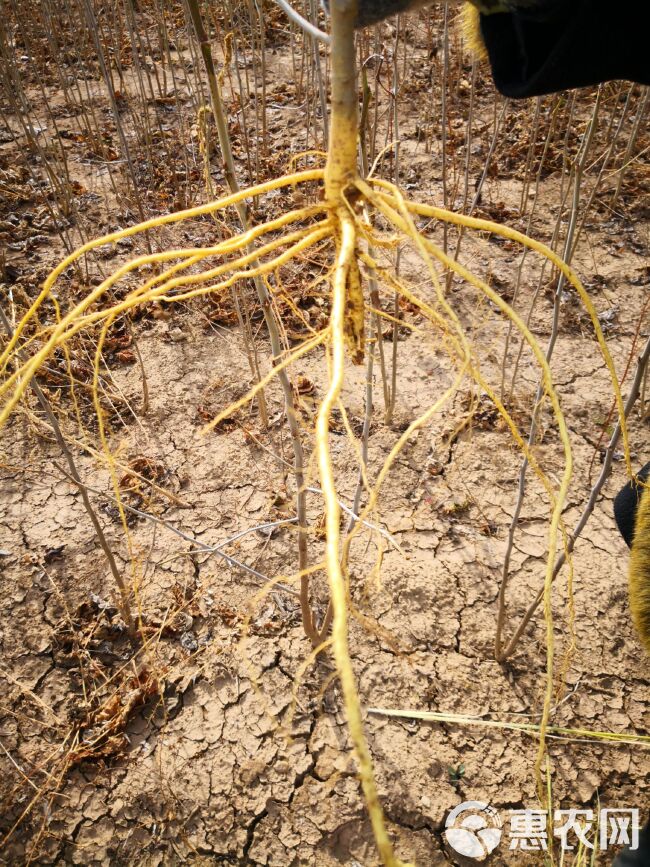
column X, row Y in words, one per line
column 222, row 741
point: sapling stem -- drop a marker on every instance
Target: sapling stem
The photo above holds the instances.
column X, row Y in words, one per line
column 569, row 248
column 635, row 390
column 340, row 174
column 75, row 478
column 271, row 324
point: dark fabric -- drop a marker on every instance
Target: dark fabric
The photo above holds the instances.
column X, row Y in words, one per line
column 625, row 506
column 372, row 11
column 561, row 44
column 625, row 509
column 639, row 857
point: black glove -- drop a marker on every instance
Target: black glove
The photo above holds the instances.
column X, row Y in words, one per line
column 371, row 11
column 626, row 505
column 542, row 46
column 560, row 44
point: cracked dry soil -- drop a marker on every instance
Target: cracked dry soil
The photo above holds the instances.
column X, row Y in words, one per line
column 204, row 769
column 220, row 747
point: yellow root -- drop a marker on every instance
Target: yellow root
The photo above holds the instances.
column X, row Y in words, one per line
column 336, row 228
column 156, row 222
column 337, row 583
column 558, row 262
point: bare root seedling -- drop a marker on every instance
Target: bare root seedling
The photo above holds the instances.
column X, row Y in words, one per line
column 349, row 224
